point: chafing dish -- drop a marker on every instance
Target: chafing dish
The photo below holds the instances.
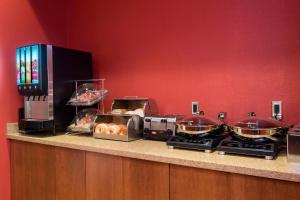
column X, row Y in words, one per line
column 199, row 126
column 258, row 129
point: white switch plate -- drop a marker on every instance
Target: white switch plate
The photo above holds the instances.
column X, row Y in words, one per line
column 195, row 107
column 277, row 106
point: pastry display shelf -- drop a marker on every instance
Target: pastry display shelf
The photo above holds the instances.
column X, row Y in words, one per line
column 99, row 100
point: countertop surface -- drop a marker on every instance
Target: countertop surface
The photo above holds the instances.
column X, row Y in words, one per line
column 278, row 168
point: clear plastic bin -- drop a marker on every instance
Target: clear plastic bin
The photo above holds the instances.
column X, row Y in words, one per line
column 87, row 94
column 84, row 121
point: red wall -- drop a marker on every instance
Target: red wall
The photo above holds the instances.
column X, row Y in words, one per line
column 234, row 56
column 21, row 22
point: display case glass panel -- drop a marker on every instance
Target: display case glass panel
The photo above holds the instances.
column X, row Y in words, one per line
column 35, row 64
column 28, row 64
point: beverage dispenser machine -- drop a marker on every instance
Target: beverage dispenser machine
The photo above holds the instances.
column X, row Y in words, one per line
column 44, row 74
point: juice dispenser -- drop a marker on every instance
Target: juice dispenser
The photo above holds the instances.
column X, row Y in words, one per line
column 44, row 78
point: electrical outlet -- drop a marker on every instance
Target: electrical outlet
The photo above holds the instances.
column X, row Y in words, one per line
column 222, row 115
column 195, row 107
column 277, row 109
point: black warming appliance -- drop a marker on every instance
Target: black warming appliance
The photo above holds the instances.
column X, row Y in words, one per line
column 197, row 133
column 255, row 136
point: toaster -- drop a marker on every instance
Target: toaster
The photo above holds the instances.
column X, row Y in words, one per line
column 160, row 127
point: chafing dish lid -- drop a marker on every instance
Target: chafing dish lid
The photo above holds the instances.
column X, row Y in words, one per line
column 260, row 123
column 198, row 120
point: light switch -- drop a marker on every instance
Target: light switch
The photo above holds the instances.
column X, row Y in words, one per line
column 195, row 107
column 277, row 109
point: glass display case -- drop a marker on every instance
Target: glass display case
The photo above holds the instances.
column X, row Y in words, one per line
column 118, row 127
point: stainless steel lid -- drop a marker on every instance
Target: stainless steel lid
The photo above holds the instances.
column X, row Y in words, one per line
column 134, row 105
column 197, row 125
column 258, row 128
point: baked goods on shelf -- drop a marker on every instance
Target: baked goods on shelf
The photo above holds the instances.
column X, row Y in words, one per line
column 87, row 94
column 84, row 121
column 80, row 127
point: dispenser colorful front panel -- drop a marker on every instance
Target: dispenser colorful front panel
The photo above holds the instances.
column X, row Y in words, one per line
column 18, row 66
column 35, row 64
column 27, row 63
column 22, row 66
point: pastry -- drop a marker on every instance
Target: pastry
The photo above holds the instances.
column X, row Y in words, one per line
column 130, row 112
column 83, row 120
column 87, row 96
column 101, row 128
column 111, row 129
column 81, row 126
column 139, row 112
column 123, row 129
column 114, row 129
column 118, row 111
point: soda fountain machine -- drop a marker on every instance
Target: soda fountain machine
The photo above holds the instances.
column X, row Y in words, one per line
column 44, row 74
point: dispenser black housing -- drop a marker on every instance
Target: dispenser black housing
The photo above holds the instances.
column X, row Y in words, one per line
column 44, row 77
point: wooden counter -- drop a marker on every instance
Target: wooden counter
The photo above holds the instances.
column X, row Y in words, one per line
column 74, row 167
